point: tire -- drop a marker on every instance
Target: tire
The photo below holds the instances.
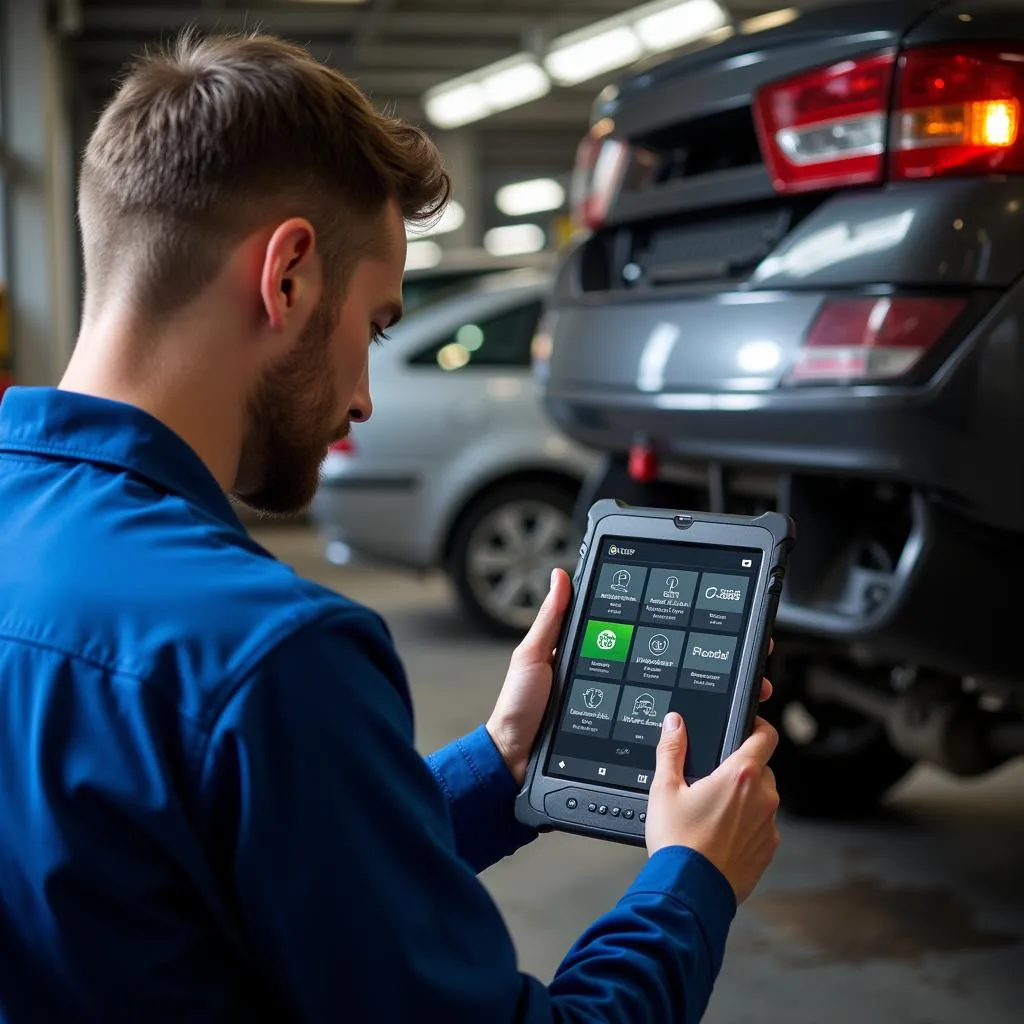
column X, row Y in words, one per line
column 844, row 768
column 504, row 547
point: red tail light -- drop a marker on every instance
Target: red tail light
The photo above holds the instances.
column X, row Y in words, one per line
column 826, row 129
column 938, row 111
column 868, row 339
column 958, row 111
column 601, row 161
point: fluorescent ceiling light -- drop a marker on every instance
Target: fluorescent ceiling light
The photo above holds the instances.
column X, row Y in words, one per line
column 452, row 219
column 514, row 240
column 422, row 255
column 508, row 83
column 526, row 197
column 573, row 58
column 679, row 24
column 513, row 83
column 457, row 103
column 773, row 19
column 586, row 54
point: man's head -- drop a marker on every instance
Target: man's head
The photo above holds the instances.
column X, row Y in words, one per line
column 240, row 169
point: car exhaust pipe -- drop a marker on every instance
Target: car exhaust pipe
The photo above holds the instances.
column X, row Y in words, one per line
column 927, row 723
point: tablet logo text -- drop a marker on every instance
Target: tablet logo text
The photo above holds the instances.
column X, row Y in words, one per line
column 615, row 549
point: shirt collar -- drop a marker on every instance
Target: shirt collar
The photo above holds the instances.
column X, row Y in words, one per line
column 46, row 421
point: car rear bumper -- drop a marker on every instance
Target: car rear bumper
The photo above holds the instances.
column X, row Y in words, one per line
column 375, row 516
column 950, row 432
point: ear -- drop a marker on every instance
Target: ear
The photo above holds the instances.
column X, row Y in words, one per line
column 290, row 278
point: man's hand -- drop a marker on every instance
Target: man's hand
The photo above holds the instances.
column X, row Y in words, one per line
column 516, row 718
column 729, row 816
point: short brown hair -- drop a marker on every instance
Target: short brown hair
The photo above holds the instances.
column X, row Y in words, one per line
column 209, row 139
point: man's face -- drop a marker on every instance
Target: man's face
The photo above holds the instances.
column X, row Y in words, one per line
column 309, row 399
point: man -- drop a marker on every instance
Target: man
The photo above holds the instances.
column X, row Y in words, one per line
column 211, row 808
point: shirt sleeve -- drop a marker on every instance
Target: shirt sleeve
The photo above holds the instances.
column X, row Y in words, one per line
column 481, row 794
column 352, row 898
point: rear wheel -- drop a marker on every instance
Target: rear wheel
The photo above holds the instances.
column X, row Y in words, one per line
column 504, row 548
column 831, row 761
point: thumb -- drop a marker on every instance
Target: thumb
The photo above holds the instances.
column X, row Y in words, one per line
column 540, row 641
column 671, row 751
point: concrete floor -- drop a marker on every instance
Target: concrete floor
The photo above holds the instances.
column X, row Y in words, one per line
column 915, row 917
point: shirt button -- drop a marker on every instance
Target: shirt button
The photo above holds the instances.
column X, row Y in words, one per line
column 571, row 803
column 591, row 808
column 627, row 813
column 602, row 809
column 643, row 815
column 616, row 811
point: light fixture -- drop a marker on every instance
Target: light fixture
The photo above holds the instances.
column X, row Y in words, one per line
column 573, row 58
column 513, row 82
column 677, row 24
column 514, row 240
column 526, row 197
column 769, row 20
column 456, row 103
column 586, row 54
column 452, row 219
column 422, row 255
column 496, row 87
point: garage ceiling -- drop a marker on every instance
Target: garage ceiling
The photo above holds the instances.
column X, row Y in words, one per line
column 395, row 49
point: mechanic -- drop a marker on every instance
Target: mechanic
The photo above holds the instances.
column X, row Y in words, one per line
column 211, row 806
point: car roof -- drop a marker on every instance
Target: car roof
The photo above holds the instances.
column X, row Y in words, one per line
column 479, row 297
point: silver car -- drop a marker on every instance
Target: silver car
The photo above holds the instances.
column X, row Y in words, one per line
column 459, row 467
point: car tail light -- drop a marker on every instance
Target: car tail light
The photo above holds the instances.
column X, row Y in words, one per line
column 642, row 465
column 601, row 161
column 940, row 110
column 870, row 339
column 958, row 111
column 827, row 128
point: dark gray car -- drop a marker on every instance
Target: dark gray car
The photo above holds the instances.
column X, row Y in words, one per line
column 800, row 288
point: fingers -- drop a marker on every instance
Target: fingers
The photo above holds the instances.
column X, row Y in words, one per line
column 759, row 746
column 540, row 641
column 671, row 753
column 766, row 690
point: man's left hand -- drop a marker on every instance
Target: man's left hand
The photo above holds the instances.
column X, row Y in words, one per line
column 516, row 718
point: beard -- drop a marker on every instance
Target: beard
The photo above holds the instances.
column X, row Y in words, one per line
column 291, row 424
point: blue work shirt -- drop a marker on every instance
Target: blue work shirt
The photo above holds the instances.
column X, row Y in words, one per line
column 211, row 808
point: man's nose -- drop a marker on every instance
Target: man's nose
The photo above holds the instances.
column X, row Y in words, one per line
column 362, row 405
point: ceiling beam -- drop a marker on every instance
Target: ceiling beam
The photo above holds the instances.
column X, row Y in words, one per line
column 305, row 20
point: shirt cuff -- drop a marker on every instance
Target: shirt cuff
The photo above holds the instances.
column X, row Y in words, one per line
column 481, row 794
column 692, row 880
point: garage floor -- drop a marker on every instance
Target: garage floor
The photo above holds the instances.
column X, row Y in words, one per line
column 915, row 917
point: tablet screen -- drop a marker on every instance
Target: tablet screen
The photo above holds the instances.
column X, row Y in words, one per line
column 661, row 632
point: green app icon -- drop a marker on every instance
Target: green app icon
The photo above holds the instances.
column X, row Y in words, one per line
column 606, row 641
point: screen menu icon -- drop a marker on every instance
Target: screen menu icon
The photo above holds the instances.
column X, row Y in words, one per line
column 668, row 600
column 619, row 592
column 641, row 713
column 605, row 649
column 656, row 656
column 707, row 662
column 721, row 601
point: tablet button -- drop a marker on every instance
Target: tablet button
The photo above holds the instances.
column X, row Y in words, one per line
column 627, row 814
column 643, row 816
column 591, row 807
column 616, row 811
column 571, row 803
column 602, row 809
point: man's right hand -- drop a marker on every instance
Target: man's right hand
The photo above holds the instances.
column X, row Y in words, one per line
column 729, row 816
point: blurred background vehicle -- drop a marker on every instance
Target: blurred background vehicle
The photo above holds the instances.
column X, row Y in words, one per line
column 455, row 268
column 801, row 288
column 458, row 467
